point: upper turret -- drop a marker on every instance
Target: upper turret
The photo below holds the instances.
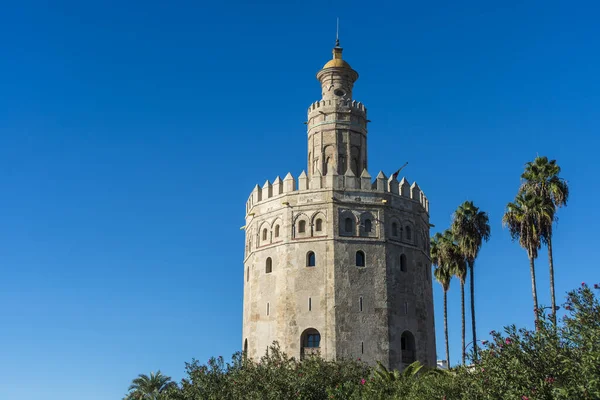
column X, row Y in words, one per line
column 337, row 77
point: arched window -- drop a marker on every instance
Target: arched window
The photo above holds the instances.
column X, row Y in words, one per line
column 276, row 230
column 367, row 225
column 394, row 229
column 360, row 259
column 310, row 259
column 403, row 266
column 319, row 225
column 348, row 225
column 269, row 265
column 313, row 340
column 310, row 342
column 264, row 237
column 408, row 233
column 301, row 226
column 407, row 344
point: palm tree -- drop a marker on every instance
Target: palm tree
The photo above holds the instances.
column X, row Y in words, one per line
column 541, row 178
column 149, row 387
column 471, row 228
column 443, row 274
column 525, row 218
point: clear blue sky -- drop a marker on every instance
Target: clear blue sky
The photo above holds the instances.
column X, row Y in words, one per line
column 131, row 134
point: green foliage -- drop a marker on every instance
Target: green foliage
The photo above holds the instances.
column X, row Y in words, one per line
column 153, row 387
column 552, row 363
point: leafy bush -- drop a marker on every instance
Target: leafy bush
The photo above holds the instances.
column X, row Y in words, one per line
column 550, row 363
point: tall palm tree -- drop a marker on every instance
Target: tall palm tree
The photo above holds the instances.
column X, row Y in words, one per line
column 149, row 387
column 541, row 178
column 471, row 228
column 525, row 218
column 443, row 275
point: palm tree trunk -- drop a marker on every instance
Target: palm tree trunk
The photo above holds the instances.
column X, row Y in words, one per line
column 471, row 265
column 551, row 263
column 462, row 307
column 534, row 292
column 446, row 327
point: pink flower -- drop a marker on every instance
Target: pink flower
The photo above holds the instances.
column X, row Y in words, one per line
column 524, row 397
column 582, row 283
column 362, row 381
column 482, row 369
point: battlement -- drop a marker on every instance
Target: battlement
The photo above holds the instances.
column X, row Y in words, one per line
column 349, row 181
column 352, row 104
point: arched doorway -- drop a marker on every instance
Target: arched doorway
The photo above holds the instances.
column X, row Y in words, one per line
column 407, row 344
column 310, row 342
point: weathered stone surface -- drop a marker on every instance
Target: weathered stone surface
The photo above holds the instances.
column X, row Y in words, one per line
column 359, row 311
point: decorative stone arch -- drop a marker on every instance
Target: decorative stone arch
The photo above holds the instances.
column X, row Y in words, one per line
column 310, row 342
column 368, row 224
column 318, row 223
column 301, row 226
column 328, row 159
column 276, row 229
column 408, row 347
column 347, row 223
column 355, row 160
column 264, row 234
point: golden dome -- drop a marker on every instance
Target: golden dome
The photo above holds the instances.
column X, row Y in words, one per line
column 337, row 62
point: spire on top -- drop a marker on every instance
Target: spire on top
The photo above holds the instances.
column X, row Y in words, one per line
column 337, row 33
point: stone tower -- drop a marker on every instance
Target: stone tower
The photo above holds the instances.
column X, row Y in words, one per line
column 335, row 262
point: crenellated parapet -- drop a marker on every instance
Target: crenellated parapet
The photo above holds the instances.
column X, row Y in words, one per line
column 347, row 182
column 337, row 103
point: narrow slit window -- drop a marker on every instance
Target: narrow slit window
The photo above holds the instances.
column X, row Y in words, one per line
column 403, row 266
column 362, row 347
column 360, row 259
column 276, row 230
column 269, row 265
column 248, row 274
column 368, row 226
column 405, row 308
column 394, row 229
column 264, row 237
column 309, row 304
column 408, row 233
column 360, row 303
column 310, row 259
column 268, row 308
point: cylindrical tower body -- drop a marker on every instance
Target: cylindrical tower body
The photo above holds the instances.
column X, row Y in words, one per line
column 335, row 263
